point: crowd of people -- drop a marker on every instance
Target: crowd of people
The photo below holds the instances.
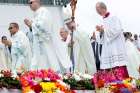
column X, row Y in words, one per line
column 42, row 48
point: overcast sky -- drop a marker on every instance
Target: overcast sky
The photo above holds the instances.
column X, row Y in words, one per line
column 126, row 10
column 86, row 16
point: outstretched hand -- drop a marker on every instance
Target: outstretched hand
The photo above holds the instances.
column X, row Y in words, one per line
column 99, row 28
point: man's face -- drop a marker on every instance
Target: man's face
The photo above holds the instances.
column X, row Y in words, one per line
column 33, row 4
column 12, row 29
column 4, row 39
column 135, row 36
column 99, row 10
column 63, row 34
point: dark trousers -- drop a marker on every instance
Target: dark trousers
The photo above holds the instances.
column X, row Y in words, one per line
column 97, row 49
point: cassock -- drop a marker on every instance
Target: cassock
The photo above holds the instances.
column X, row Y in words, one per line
column 46, row 50
column 113, row 57
column 3, row 62
column 7, row 52
column 113, row 49
column 137, row 43
column 20, row 52
column 83, row 53
column 133, row 59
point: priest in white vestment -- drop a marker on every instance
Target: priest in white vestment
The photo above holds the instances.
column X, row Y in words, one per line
column 137, row 41
column 46, row 50
column 7, row 53
column 133, row 56
column 84, row 61
column 3, row 62
column 113, row 49
column 20, row 49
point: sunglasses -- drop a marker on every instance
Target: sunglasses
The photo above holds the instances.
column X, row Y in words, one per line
column 10, row 28
column 31, row 2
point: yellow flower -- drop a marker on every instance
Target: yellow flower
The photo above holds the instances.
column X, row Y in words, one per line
column 48, row 87
column 26, row 89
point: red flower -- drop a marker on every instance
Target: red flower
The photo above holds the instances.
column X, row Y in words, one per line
column 37, row 88
column 6, row 73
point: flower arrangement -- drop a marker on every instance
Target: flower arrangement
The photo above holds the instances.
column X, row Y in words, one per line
column 125, row 86
column 78, row 81
column 110, row 75
column 7, row 80
column 43, row 81
column 138, row 83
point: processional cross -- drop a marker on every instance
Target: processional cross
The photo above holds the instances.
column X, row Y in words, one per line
column 73, row 8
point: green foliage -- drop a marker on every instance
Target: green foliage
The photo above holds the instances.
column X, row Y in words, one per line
column 9, row 83
column 80, row 85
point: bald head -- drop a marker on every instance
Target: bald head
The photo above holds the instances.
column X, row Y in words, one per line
column 101, row 5
column 35, row 1
column 34, row 4
column 101, row 8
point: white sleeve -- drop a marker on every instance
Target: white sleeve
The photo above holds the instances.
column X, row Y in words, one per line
column 17, row 45
column 40, row 20
column 42, row 25
column 113, row 30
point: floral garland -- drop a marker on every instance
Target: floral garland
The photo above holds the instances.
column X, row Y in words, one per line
column 78, row 81
column 7, row 80
column 125, row 86
column 43, row 81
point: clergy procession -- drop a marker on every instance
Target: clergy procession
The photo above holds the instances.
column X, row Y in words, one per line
column 109, row 54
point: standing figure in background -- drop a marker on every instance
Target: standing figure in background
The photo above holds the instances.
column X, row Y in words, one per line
column 137, row 41
column 46, row 52
column 82, row 49
column 113, row 55
column 133, row 56
column 20, row 49
column 3, row 62
column 7, row 52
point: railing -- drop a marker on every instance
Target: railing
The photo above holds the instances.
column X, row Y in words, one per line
column 44, row 2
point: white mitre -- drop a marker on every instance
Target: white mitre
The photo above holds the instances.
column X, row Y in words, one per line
column 67, row 14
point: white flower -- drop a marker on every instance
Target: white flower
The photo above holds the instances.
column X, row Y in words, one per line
column 47, row 79
column 77, row 77
column 65, row 77
column 1, row 75
column 37, row 79
column 14, row 74
column 87, row 76
column 133, row 83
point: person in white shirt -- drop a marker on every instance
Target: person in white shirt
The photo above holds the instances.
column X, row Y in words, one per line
column 20, row 49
